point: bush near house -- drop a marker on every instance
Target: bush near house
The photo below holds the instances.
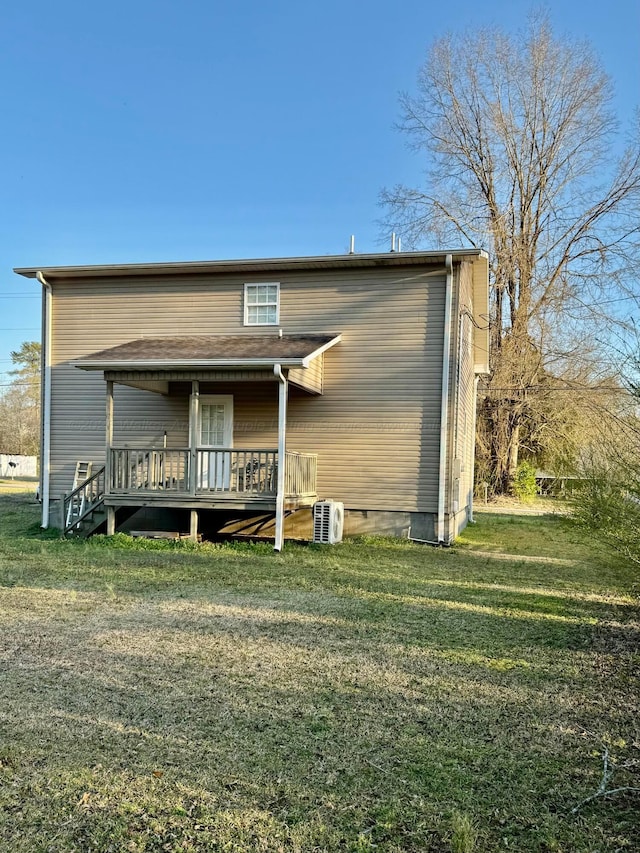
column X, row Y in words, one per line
column 608, row 505
column 524, row 485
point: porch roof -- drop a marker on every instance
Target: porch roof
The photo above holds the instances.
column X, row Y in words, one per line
column 211, row 351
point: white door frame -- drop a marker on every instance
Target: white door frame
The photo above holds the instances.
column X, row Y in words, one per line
column 217, row 476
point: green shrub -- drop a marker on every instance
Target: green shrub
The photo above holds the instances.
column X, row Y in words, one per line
column 608, row 505
column 524, row 485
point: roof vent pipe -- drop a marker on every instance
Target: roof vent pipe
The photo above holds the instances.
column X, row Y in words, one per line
column 399, row 244
column 393, row 241
column 352, row 245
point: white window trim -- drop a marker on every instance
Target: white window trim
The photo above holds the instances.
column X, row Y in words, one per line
column 275, row 284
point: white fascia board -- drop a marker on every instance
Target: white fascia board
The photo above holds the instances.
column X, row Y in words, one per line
column 188, row 365
column 248, row 265
column 307, row 361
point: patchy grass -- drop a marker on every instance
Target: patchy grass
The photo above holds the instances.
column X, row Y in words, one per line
column 373, row 696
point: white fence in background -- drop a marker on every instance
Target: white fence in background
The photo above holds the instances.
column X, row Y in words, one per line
column 13, row 466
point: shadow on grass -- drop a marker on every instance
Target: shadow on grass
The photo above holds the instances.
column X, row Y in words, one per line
column 342, row 699
column 173, row 714
column 374, row 583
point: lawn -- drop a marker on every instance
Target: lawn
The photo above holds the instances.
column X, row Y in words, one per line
column 371, row 696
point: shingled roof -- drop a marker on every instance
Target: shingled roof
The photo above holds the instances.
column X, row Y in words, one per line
column 211, row 350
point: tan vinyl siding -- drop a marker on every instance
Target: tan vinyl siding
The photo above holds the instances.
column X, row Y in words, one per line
column 376, row 426
column 310, row 377
column 78, row 421
column 479, row 275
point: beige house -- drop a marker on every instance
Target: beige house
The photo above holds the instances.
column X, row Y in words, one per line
column 231, row 395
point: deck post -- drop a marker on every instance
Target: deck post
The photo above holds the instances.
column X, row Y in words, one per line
column 108, row 441
column 194, row 403
column 111, row 520
column 193, row 529
column 282, row 447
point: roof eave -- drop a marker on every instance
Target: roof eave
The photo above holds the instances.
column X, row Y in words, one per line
column 312, row 355
column 189, row 364
column 247, row 265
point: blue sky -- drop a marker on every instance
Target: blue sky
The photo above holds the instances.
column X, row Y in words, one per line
column 154, row 130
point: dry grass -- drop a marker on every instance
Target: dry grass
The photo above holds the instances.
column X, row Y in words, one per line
column 9, row 486
column 375, row 696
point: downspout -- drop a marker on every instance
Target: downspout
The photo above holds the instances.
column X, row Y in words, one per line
column 45, row 409
column 444, row 405
column 473, row 455
column 282, row 446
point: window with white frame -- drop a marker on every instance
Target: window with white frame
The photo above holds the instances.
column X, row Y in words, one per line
column 261, row 304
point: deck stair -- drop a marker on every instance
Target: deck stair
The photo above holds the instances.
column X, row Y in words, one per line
column 83, row 509
column 75, row 508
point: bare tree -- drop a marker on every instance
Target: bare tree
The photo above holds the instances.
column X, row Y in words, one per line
column 518, row 133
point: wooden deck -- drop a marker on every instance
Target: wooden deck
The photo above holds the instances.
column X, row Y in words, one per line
column 238, row 478
column 234, row 479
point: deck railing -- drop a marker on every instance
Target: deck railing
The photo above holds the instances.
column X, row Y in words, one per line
column 242, row 471
column 82, row 501
column 228, row 471
column 300, row 474
column 149, row 470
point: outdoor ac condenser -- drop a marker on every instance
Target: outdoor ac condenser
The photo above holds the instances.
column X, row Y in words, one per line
column 328, row 521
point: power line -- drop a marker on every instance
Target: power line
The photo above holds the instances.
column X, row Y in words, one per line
column 608, row 301
column 546, row 388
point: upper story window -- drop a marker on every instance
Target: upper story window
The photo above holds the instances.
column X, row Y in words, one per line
column 261, row 304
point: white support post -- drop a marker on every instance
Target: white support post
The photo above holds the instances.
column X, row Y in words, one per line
column 108, row 442
column 108, row 439
column 282, row 447
column 193, row 435
column 444, row 404
column 45, row 415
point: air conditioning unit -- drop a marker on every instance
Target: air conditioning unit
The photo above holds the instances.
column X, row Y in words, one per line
column 328, row 521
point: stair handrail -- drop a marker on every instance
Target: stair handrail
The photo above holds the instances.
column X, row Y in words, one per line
column 90, row 506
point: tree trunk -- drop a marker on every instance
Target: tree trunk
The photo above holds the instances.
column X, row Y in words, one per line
column 499, row 441
column 514, row 447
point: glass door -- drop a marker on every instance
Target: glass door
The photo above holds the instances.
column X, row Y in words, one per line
column 215, row 431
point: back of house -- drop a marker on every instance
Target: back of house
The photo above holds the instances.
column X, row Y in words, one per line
column 224, row 395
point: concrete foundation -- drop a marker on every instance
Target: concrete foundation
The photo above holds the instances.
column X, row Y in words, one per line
column 219, row 524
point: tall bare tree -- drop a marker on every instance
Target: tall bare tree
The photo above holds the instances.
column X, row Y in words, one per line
column 519, row 137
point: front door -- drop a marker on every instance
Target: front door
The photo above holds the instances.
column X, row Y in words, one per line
column 215, row 431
